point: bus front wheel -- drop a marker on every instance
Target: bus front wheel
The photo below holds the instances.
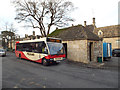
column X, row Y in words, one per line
column 45, row 62
column 19, row 56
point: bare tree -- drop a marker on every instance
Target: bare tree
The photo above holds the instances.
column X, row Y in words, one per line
column 12, row 28
column 8, row 26
column 43, row 14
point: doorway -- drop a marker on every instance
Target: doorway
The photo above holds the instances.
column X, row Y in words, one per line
column 65, row 46
column 91, row 51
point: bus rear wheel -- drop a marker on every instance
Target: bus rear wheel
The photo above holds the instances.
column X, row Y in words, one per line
column 45, row 62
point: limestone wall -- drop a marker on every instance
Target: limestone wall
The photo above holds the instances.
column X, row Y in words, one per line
column 114, row 41
column 97, row 50
column 77, row 50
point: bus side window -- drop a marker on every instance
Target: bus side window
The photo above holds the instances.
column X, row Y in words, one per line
column 33, row 47
column 26, row 47
column 19, row 47
column 41, row 48
column 44, row 48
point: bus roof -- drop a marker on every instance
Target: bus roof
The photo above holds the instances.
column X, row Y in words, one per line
column 38, row 40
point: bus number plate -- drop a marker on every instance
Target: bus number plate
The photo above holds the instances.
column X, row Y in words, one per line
column 57, row 59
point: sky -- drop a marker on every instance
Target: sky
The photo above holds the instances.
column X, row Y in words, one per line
column 104, row 11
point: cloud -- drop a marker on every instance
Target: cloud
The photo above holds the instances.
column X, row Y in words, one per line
column 105, row 12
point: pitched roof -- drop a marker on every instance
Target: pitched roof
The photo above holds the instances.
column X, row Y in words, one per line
column 109, row 31
column 78, row 32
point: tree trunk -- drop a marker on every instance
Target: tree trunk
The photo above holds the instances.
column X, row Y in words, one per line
column 41, row 32
column 48, row 30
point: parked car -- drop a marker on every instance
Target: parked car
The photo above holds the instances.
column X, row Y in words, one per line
column 116, row 52
column 2, row 52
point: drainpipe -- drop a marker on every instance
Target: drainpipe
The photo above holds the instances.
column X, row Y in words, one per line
column 102, row 52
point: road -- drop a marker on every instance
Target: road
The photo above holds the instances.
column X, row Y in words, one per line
column 0, row 72
column 18, row 73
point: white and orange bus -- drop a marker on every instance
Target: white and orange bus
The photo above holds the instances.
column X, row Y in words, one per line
column 45, row 50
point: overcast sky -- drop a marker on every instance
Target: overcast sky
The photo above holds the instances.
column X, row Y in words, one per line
column 105, row 12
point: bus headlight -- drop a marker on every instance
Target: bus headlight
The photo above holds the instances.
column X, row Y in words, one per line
column 64, row 58
column 51, row 59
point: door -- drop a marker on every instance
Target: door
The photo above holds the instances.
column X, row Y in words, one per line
column 105, row 50
column 91, row 51
column 65, row 46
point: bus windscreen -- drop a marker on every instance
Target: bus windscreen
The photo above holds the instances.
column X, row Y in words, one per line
column 55, row 48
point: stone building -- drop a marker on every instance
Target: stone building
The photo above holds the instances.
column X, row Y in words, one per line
column 11, row 43
column 1, row 41
column 27, row 37
column 30, row 37
column 81, row 44
column 109, row 34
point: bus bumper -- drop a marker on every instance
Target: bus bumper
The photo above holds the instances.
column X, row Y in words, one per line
column 56, row 60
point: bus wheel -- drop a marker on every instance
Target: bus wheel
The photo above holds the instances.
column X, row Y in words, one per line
column 45, row 62
column 115, row 55
column 57, row 63
column 19, row 56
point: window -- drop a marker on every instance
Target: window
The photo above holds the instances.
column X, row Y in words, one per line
column 118, row 42
column 56, row 48
column 100, row 32
column 18, row 47
column 41, row 48
column 36, row 47
column 24, row 47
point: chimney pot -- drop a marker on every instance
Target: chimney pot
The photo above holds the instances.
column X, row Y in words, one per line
column 56, row 28
column 84, row 23
column 26, row 36
column 93, row 21
column 33, row 33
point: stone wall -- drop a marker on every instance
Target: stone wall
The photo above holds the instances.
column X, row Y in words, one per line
column 114, row 41
column 96, row 50
column 0, row 43
column 77, row 50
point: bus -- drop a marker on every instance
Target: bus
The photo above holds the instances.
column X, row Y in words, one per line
column 45, row 50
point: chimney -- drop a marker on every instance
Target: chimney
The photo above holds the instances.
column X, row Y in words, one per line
column 33, row 33
column 84, row 23
column 56, row 28
column 26, row 36
column 93, row 21
column 19, row 37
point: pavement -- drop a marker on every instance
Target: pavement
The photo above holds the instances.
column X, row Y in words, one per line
column 111, row 64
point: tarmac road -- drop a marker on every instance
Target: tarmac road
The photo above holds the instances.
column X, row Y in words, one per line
column 0, row 73
column 18, row 73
